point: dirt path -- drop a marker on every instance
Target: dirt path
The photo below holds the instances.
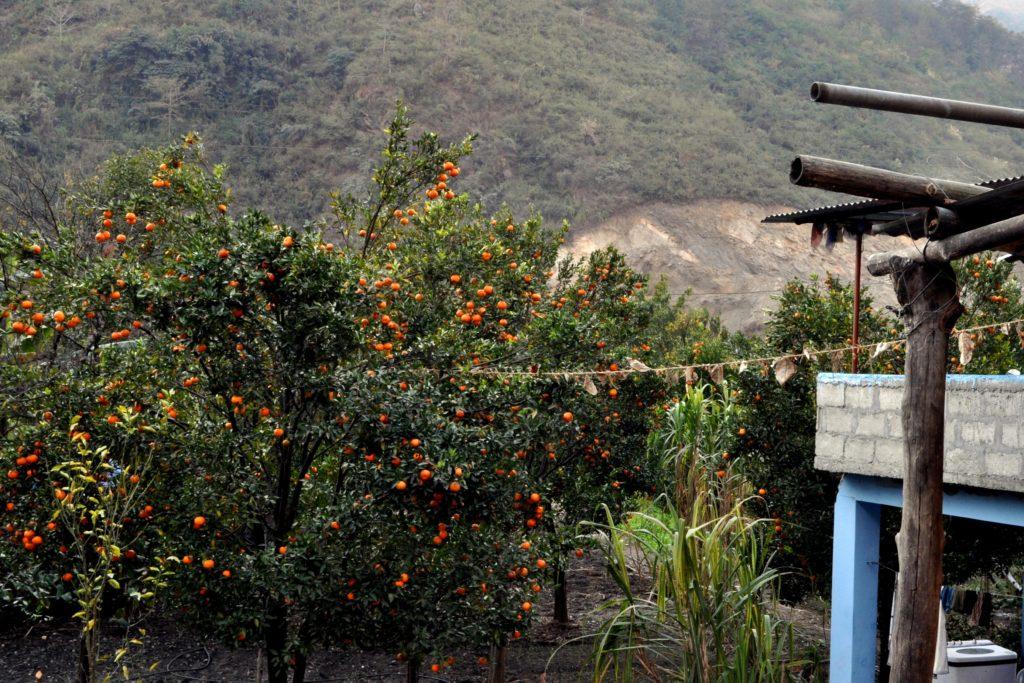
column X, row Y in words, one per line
column 183, row 656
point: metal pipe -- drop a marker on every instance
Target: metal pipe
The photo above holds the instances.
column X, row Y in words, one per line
column 904, row 103
column 856, row 302
column 867, row 181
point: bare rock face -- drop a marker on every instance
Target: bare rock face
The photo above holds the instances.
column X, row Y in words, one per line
column 719, row 249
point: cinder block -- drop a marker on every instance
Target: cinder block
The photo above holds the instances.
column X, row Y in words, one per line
column 1004, row 404
column 1010, row 435
column 861, row 396
column 836, row 420
column 963, row 460
column 977, row 433
column 872, row 424
column 895, row 428
column 888, row 458
column 1002, row 465
column 831, row 394
column 961, row 402
column 829, row 446
column 890, row 398
column 859, row 451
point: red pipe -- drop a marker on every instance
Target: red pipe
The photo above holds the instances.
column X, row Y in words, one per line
column 856, row 304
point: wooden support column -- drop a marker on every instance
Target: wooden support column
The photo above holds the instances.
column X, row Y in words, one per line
column 931, row 306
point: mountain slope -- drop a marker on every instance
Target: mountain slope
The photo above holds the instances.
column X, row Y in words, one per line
column 585, row 109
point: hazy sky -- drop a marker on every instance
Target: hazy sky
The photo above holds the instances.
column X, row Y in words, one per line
column 1014, row 5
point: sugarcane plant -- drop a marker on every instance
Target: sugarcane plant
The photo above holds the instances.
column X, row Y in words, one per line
column 707, row 614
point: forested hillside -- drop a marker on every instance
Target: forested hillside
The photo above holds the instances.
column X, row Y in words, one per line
column 583, row 107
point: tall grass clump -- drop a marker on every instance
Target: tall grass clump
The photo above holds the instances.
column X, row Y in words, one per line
column 706, row 615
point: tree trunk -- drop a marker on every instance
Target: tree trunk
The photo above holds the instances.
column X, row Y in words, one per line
column 412, row 671
column 85, row 671
column 931, row 307
column 300, row 668
column 277, row 643
column 499, row 663
column 561, row 594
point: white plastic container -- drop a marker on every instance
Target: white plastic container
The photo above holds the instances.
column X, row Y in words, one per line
column 979, row 661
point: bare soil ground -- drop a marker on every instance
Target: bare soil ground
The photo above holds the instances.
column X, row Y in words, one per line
column 184, row 656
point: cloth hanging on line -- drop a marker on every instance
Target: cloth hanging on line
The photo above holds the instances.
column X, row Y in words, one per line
column 940, row 665
column 946, row 597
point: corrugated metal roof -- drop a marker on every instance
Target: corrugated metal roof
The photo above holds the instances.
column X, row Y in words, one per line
column 872, row 210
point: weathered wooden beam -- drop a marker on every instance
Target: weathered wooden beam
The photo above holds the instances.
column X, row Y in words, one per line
column 928, row 294
column 904, row 103
column 877, row 183
column 1002, row 236
column 909, row 226
column 1000, row 203
column 940, row 222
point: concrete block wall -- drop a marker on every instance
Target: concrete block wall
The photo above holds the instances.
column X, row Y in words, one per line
column 860, row 428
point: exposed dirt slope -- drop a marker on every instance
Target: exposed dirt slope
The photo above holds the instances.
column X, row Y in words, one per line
column 721, row 251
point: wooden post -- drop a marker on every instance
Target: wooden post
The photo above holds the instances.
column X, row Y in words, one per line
column 928, row 294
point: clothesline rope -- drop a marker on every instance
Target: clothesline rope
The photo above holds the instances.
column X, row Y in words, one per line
column 636, row 367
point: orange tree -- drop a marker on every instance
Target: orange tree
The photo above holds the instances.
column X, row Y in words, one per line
column 482, row 311
column 775, row 443
column 591, row 430
column 991, row 295
column 336, row 460
column 79, row 436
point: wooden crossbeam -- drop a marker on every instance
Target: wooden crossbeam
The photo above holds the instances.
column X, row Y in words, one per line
column 877, row 183
column 905, row 103
column 1002, row 236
